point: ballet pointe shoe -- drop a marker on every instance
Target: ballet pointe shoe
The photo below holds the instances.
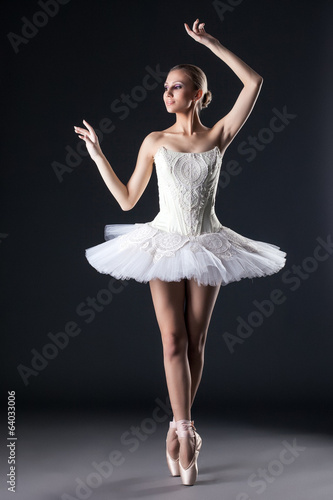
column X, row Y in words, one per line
column 186, row 430
column 173, row 463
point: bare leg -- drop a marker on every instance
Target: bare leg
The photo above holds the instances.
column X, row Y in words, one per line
column 183, row 337
column 200, row 301
column 169, row 301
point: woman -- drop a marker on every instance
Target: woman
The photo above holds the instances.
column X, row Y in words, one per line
column 184, row 253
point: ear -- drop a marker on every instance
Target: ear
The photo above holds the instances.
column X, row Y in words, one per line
column 198, row 94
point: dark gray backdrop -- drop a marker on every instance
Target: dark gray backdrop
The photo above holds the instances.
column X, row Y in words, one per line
column 76, row 64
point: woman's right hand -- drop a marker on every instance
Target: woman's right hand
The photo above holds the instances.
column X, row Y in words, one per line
column 89, row 136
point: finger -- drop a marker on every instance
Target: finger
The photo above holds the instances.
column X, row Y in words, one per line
column 80, row 130
column 195, row 24
column 201, row 27
column 89, row 127
column 190, row 32
column 188, row 29
column 86, row 139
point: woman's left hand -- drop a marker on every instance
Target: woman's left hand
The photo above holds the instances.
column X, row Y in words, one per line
column 199, row 34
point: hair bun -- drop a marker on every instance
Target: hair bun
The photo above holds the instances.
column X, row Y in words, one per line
column 207, row 97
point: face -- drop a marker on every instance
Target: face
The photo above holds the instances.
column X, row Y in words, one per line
column 179, row 92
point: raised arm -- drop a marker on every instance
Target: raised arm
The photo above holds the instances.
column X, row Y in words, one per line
column 231, row 123
column 126, row 195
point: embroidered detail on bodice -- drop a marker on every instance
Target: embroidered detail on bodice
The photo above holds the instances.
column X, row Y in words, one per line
column 223, row 244
column 158, row 244
column 187, row 185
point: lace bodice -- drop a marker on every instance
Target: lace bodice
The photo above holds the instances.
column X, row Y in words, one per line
column 187, row 184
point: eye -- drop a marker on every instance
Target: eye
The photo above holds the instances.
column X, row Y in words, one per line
column 176, row 87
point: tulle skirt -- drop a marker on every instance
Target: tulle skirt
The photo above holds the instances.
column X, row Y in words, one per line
column 143, row 252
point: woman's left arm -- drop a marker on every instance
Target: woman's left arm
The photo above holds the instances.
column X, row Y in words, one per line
column 231, row 123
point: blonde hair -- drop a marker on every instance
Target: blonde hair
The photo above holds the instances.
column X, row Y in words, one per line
column 199, row 81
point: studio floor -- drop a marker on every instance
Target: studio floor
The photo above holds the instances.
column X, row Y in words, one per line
column 106, row 456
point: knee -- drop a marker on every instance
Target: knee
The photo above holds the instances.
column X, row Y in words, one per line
column 196, row 347
column 174, row 344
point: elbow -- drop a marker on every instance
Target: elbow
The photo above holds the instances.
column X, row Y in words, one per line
column 255, row 81
column 126, row 205
column 126, row 201
column 259, row 81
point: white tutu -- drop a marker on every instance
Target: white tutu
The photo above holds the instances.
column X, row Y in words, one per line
column 144, row 253
column 185, row 240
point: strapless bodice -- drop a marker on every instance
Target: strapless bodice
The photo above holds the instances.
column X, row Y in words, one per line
column 187, row 185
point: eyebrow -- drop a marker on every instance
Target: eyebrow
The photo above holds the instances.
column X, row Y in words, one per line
column 177, row 81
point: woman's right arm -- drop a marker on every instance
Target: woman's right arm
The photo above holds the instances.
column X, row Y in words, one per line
column 126, row 195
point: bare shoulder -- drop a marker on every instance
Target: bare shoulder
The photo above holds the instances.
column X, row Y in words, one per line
column 152, row 142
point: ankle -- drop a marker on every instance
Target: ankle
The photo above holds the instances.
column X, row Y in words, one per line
column 173, row 424
column 184, row 428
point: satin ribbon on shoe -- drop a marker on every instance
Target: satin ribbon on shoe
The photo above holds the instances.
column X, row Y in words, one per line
column 185, row 428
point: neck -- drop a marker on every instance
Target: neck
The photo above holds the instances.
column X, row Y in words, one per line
column 188, row 123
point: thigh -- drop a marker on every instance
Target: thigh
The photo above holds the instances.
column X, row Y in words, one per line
column 200, row 301
column 169, row 299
